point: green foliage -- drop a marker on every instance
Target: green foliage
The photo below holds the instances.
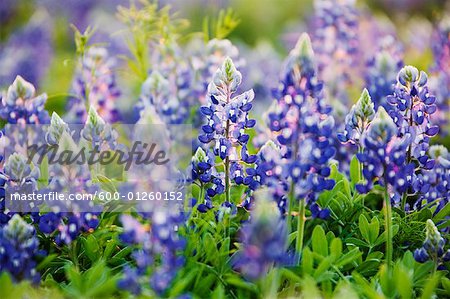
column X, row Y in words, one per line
column 147, row 24
column 82, row 39
column 408, row 279
column 96, row 282
column 11, row 290
column 223, row 25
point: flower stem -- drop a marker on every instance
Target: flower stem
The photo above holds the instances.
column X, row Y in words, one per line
column 291, row 199
column 227, row 158
column 227, row 179
column 291, row 196
column 360, row 165
column 388, row 228
column 300, row 226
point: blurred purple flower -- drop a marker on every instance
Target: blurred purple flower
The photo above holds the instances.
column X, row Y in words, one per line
column 94, row 84
column 440, row 71
column 264, row 241
column 28, row 52
column 157, row 249
column 20, row 105
column 18, row 249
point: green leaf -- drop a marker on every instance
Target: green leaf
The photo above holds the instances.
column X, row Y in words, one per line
column 91, row 248
column 43, row 177
column 239, row 283
column 309, row 288
column 6, row 285
column 430, row 286
column 110, row 246
column 368, row 267
column 403, row 282
column 367, row 289
column 444, row 212
column 219, row 292
column 382, row 238
column 323, row 266
column 210, row 248
column 182, row 283
column 349, row 257
column 386, row 282
column 356, row 242
column 336, row 248
column 354, row 170
column 46, row 261
column 374, row 230
column 106, row 184
column 364, row 228
column 76, row 281
column 319, row 241
column 307, row 261
column 446, row 284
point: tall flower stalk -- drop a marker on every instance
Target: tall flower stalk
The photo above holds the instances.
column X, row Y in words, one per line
column 433, row 247
column 357, row 122
column 94, row 85
column 383, row 156
column 301, row 121
column 411, row 108
column 226, row 121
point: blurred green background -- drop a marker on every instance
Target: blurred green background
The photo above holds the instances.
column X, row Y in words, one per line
column 278, row 22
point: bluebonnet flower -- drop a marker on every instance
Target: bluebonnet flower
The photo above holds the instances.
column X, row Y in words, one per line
column 4, row 214
column 7, row 11
column 226, row 122
column 411, row 108
column 358, row 119
column 28, row 52
column 336, row 40
column 18, row 249
column 206, row 59
column 130, row 281
column 157, row 95
column 21, row 177
column 440, row 71
column 98, row 132
column 203, row 173
column 434, row 185
column 433, row 247
column 412, row 105
column 303, row 125
column 64, row 227
column 268, row 171
column 94, row 85
column 264, row 241
column 157, row 249
column 261, row 70
column 380, row 75
column 384, row 155
column 20, row 105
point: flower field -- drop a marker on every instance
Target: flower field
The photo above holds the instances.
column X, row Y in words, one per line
column 224, row 149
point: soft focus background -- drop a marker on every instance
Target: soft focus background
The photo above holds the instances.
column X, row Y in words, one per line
column 36, row 40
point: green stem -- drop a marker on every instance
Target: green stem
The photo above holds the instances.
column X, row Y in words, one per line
column 300, row 226
column 409, row 150
column 291, row 196
column 360, row 166
column 200, row 197
column 388, row 228
column 227, row 159
column 291, row 199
